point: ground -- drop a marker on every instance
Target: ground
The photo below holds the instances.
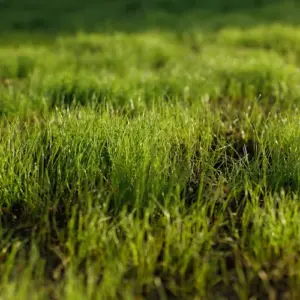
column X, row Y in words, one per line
column 149, row 149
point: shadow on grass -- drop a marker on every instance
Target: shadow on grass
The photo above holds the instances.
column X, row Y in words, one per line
column 66, row 17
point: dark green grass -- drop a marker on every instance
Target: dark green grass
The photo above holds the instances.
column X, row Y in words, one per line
column 137, row 16
column 149, row 150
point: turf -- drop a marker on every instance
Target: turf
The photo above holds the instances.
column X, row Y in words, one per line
column 149, row 150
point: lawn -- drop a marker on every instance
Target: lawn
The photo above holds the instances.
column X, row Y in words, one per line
column 149, row 150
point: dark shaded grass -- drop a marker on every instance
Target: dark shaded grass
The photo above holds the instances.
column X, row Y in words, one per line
column 134, row 16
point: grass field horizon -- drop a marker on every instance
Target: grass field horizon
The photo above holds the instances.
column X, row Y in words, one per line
column 149, row 150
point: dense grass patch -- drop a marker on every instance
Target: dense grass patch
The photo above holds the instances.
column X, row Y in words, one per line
column 149, row 150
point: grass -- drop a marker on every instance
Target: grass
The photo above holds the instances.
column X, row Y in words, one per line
column 149, row 150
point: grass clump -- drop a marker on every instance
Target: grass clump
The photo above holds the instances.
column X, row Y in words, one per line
column 280, row 38
column 16, row 64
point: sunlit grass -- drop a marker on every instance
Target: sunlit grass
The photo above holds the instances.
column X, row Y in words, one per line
column 156, row 158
